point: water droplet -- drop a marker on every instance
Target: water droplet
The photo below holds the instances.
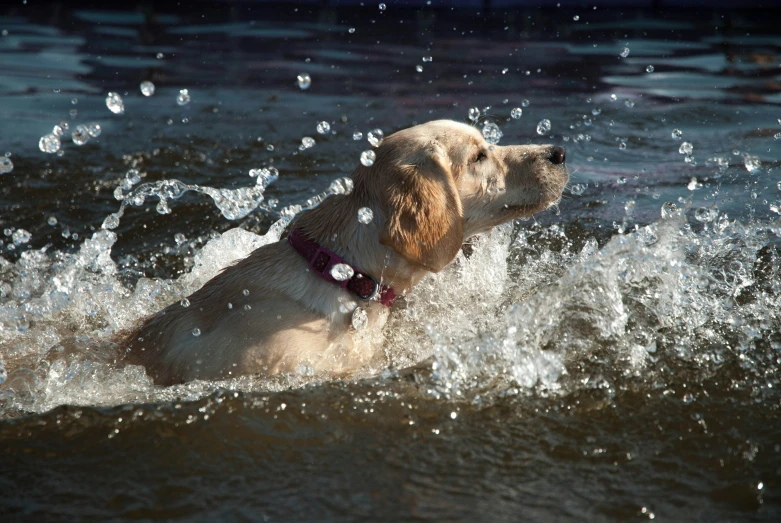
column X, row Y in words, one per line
column 516, row 113
column 705, row 215
column 52, row 220
column 20, row 237
column 621, row 180
column 578, row 189
column 115, row 103
column 365, row 215
column 677, row 134
column 492, row 133
column 669, row 209
column 111, row 221
column 49, row 143
column 427, row 58
column 624, row 52
column 245, row 292
column 649, row 69
column 368, row 157
column 80, row 135
column 360, row 319
column 179, row 238
column 94, row 130
column 323, row 127
column 60, row 129
column 184, row 302
column 304, row 81
column 375, row 137
column 613, row 97
column 596, row 111
column 133, row 176
column 686, row 148
column 752, row 163
column 382, row 7
column 270, row 147
column 351, row 30
column 159, row 56
column 183, row 98
column 576, row 18
column 419, row 68
column 622, row 146
column 6, row 166
column 544, row 126
column 341, row 272
column 474, row 113
column 629, row 103
column 307, row 142
column 777, row 136
column 147, row 88
column 525, row 103
column 196, row 332
column 357, row 135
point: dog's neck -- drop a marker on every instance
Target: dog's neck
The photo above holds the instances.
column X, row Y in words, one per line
column 335, row 226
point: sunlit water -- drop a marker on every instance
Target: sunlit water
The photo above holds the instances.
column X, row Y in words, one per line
column 614, row 357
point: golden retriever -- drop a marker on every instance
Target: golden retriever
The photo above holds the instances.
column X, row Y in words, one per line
column 281, row 309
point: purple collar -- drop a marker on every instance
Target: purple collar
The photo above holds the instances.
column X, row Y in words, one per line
column 321, row 261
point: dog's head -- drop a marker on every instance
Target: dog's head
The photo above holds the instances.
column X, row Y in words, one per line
column 438, row 183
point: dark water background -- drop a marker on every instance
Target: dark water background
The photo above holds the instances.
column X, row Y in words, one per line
column 690, row 432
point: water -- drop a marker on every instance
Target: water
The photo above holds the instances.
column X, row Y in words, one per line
column 544, row 126
column 375, row 137
column 341, row 272
column 615, row 357
column 492, row 133
column 304, row 81
column 6, row 165
column 183, row 98
column 115, row 103
column 147, row 88
column 365, row 215
column 367, row 157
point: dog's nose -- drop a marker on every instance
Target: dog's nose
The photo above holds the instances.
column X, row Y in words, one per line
column 558, row 155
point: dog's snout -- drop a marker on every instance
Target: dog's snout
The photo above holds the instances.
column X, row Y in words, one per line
column 557, row 155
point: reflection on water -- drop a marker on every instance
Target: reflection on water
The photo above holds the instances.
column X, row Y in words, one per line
column 614, row 357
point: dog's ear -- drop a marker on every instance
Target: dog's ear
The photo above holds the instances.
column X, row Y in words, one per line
column 424, row 218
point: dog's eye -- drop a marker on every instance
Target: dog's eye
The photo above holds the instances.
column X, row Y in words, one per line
column 479, row 157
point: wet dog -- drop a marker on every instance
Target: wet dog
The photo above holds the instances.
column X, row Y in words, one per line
column 302, row 302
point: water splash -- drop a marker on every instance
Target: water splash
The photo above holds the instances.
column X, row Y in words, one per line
column 48, row 298
column 232, row 203
column 664, row 297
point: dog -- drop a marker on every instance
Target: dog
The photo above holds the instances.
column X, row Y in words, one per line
column 304, row 301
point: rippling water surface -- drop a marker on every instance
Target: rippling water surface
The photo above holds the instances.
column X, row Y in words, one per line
column 614, row 358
